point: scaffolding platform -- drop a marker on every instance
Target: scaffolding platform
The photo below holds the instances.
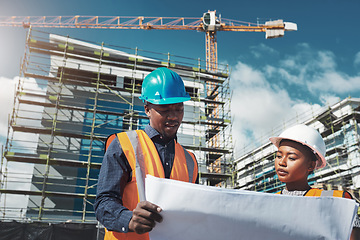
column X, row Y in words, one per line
column 73, row 94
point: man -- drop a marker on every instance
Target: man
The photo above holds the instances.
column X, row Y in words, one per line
column 117, row 205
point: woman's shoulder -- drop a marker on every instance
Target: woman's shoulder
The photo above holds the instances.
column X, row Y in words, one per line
column 315, row 192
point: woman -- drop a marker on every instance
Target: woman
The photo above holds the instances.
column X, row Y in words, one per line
column 301, row 150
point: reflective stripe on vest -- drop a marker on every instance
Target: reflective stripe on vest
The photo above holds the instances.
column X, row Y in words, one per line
column 327, row 193
column 140, row 164
column 314, row 192
column 137, row 145
column 190, row 165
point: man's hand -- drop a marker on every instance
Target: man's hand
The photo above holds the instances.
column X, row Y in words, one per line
column 144, row 216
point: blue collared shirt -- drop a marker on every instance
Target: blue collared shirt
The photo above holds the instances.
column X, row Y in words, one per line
column 115, row 173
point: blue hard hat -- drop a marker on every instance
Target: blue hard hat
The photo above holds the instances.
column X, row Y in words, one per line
column 163, row 86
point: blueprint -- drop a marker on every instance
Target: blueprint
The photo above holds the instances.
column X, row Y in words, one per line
column 195, row 212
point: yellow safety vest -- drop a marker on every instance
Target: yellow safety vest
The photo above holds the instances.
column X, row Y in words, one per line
column 184, row 169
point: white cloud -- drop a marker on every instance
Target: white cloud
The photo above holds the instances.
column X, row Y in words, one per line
column 291, row 89
column 334, row 82
column 245, row 76
column 261, row 50
column 282, row 73
column 302, row 111
column 329, row 99
column 259, row 107
column 357, row 59
column 325, row 60
column 307, row 60
column 315, row 69
column 289, row 63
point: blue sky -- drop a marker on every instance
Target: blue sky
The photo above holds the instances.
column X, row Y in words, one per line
column 272, row 80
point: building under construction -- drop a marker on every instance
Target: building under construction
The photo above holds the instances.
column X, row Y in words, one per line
column 339, row 125
column 71, row 95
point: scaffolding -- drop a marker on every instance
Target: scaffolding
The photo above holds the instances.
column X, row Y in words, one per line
column 70, row 96
column 339, row 126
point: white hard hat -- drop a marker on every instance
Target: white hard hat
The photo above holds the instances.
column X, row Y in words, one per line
column 307, row 136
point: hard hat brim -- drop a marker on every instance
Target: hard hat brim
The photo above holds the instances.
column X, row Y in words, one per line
column 167, row 100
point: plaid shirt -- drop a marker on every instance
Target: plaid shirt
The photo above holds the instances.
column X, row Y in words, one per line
column 115, row 173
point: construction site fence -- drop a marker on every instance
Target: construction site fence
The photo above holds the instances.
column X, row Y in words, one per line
column 50, row 231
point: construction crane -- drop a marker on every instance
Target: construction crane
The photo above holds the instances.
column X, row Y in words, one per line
column 209, row 23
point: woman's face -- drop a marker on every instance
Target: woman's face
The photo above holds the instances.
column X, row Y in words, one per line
column 293, row 163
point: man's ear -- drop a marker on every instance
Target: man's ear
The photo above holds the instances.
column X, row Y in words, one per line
column 147, row 110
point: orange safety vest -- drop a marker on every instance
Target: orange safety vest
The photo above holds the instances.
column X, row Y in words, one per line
column 314, row 192
column 184, row 169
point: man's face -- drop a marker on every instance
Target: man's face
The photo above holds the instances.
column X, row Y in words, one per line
column 166, row 118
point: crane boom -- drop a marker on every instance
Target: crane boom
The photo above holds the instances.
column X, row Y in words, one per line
column 105, row 22
column 108, row 22
column 209, row 23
